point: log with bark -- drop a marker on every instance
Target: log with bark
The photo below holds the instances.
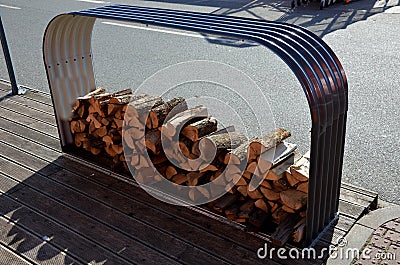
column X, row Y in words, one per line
column 195, row 153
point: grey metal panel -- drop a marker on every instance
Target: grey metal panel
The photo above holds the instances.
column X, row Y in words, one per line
column 68, row 62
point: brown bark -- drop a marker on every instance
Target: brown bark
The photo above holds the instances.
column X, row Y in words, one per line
column 176, row 123
column 170, row 108
column 199, row 129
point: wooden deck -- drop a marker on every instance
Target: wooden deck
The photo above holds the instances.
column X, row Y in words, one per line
column 55, row 210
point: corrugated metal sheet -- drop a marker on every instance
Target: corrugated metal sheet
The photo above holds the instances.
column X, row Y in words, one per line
column 68, row 62
column 315, row 65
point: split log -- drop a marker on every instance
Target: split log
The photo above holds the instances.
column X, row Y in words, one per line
column 153, row 141
column 262, row 205
column 254, row 194
column 132, row 136
column 105, row 95
column 158, row 114
column 258, row 218
column 270, row 194
column 100, row 132
column 279, row 215
column 274, row 206
column 198, row 193
column 193, row 178
column 118, row 148
column 291, row 180
column 252, row 149
column 209, row 167
column 242, row 190
column 301, row 169
column 217, row 142
column 268, row 141
column 79, row 138
column 266, row 184
column 231, row 212
column 139, row 109
column 78, row 126
column 114, row 109
column 280, row 185
column 303, row 187
column 179, row 179
column 285, row 230
column 89, row 95
column 288, row 209
column 110, row 151
column 199, row 129
column 170, row 171
column 225, row 201
column 299, row 231
column 294, row 199
column 82, row 103
column 176, row 123
column 246, row 209
column 242, row 182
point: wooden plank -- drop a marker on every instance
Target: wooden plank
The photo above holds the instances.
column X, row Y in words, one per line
column 351, row 210
column 120, row 224
column 29, row 111
column 356, row 198
column 30, row 94
column 185, row 216
column 358, row 189
column 9, row 257
column 106, row 180
column 26, row 121
column 93, row 230
column 39, row 96
column 167, row 223
column 332, row 235
column 21, row 100
column 29, row 146
column 43, row 127
column 28, row 133
column 162, row 221
column 30, row 246
column 4, row 94
column 120, row 202
column 16, row 117
column 345, row 223
column 61, row 237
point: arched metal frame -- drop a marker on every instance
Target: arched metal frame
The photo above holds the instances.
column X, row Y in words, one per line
column 68, row 61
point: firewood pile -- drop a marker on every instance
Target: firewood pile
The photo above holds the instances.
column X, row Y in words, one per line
column 265, row 179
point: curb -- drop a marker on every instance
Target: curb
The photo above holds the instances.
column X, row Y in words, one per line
column 361, row 232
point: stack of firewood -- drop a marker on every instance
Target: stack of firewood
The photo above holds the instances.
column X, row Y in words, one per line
column 96, row 122
column 168, row 140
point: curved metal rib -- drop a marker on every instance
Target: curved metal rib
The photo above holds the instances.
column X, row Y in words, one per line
column 67, row 56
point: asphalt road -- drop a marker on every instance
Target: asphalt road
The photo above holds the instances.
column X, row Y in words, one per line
column 365, row 35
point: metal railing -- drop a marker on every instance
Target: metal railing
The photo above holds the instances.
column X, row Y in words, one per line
column 7, row 57
column 70, row 74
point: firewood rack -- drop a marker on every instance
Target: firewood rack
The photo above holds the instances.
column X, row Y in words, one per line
column 68, row 61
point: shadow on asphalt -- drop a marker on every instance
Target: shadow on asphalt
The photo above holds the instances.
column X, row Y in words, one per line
column 321, row 22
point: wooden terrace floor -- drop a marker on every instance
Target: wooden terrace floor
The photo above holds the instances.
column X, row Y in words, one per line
column 55, row 210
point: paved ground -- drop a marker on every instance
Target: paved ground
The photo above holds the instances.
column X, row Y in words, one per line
column 365, row 35
column 383, row 246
